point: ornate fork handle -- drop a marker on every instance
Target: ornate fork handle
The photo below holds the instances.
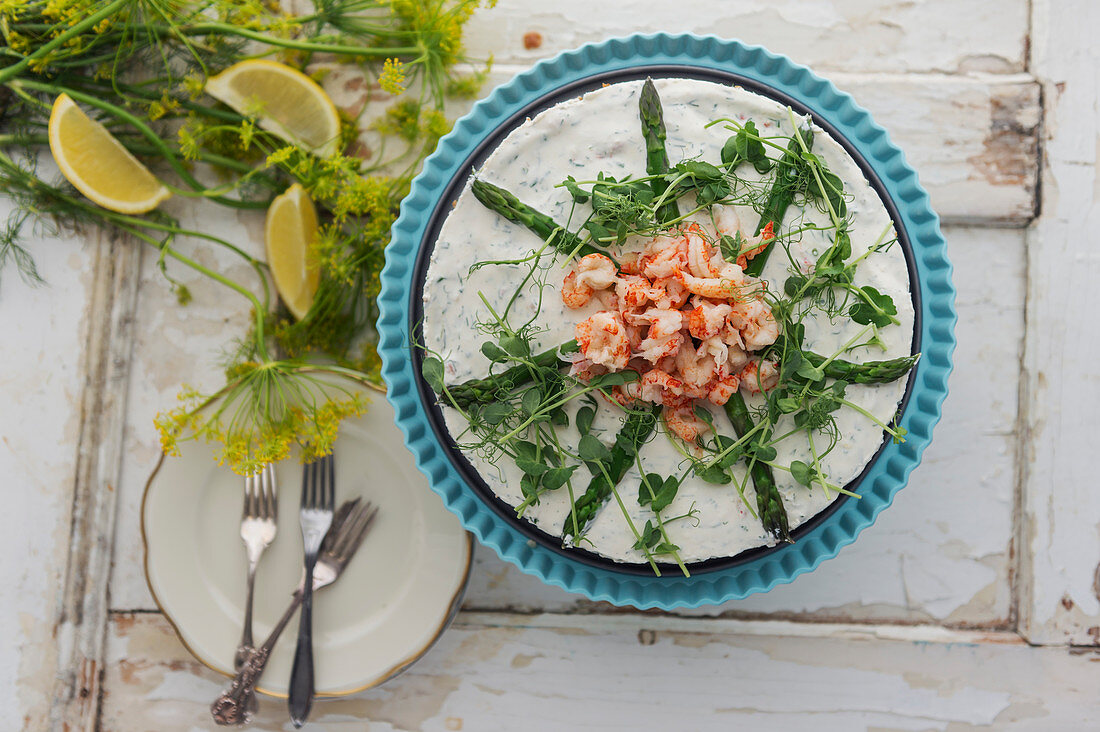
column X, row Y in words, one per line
column 236, row 704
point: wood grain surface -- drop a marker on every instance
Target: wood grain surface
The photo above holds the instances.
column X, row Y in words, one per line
column 926, row 623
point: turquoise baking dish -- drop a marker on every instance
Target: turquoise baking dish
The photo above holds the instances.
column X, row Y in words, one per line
column 570, row 74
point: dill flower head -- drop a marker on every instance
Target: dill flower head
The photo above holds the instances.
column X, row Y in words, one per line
column 392, row 78
column 265, row 410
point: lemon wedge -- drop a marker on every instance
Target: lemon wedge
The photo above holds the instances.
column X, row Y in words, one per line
column 289, row 232
column 285, row 101
column 98, row 165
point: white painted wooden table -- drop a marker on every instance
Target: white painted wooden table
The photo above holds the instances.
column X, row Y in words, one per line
column 973, row 602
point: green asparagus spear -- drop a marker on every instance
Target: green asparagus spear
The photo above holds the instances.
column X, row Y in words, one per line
column 769, row 504
column 656, row 157
column 507, row 205
column 782, row 194
column 636, row 429
column 872, row 372
column 492, row 387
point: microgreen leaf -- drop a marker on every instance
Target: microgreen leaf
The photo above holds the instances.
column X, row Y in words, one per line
column 555, row 478
column 791, row 285
column 591, row 449
column 648, row 487
column 531, row 467
column 802, row 472
column 875, row 308
column 496, row 412
column 584, row 418
column 731, row 246
column 809, row 372
column 575, row 191
column 792, row 361
column 789, row 404
column 665, row 495
column 796, row 333
column 525, row 450
column 493, row 352
column 746, row 146
column 650, row 536
column 763, row 452
column 515, row 345
column 531, row 401
column 713, row 474
column 528, row 485
column 432, row 370
column 730, row 459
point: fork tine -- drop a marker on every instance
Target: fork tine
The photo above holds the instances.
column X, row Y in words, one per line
column 247, row 492
column 353, row 537
column 346, row 528
column 307, row 480
column 330, row 501
column 252, row 486
column 361, row 532
column 270, row 505
column 336, row 530
column 318, row 484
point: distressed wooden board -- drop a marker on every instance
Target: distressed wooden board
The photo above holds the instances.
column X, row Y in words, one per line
column 972, row 139
column 81, row 615
column 941, row 552
column 992, row 120
column 974, row 142
column 1060, row 600
column 926, row 559
column 40, row 389
column 502, row 672
column 849, row 35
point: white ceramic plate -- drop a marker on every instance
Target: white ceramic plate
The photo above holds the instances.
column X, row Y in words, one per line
column 393, row 601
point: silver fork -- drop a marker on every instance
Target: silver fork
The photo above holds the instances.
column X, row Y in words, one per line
column 315, row 516
column 349, row 527
column 261, row 508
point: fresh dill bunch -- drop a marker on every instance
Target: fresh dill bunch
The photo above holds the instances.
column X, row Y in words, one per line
column 139, row 67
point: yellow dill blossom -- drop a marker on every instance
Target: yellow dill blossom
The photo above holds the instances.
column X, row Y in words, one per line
column 392, row 78
column 264, row 411
column 247, row 131
column 192, row 85
column 165, row 105
column 282, row 156
column 189, row 144
column 402, row 119
column 330, row 251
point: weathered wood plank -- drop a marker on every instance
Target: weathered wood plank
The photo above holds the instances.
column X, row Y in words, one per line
column 497, row 672
column 82, row 610
column 941, row 552
column 920, row 563
column 1060, row 600
column 848, row 35
column 45, row 329
column 972, row 139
